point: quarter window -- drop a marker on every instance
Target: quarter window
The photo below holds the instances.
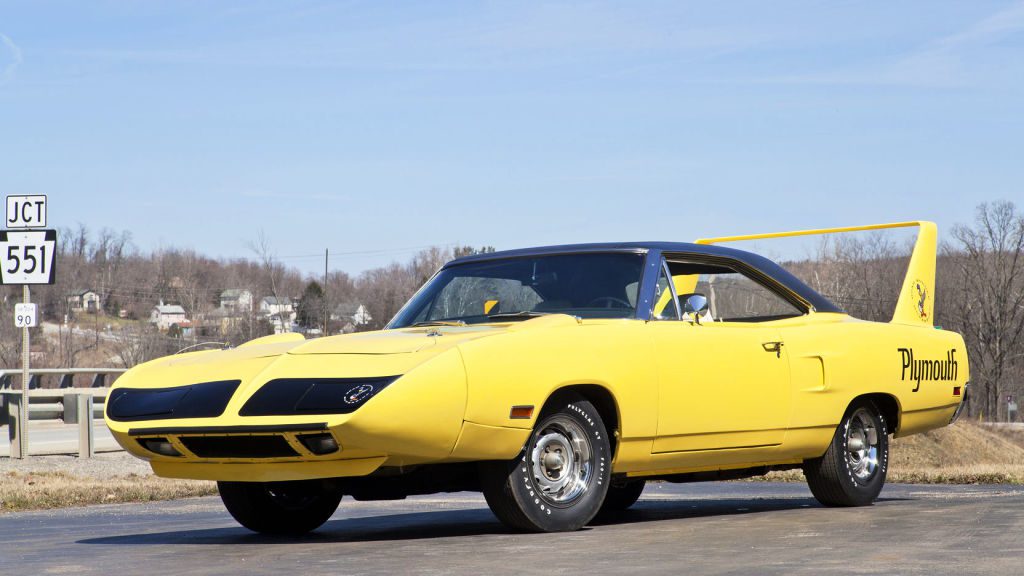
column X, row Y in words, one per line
column 665, row 304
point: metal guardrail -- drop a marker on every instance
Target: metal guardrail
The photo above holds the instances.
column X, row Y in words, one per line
column 66, row 376
column 79, row 406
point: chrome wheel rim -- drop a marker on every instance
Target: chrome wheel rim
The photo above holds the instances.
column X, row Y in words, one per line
column 561, row 462
column 862, row 442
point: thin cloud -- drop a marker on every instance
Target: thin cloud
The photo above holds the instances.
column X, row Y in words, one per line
column 16, row 59
column 991, row 29
column 536, row 37
column 937, row 63
column 292, row 196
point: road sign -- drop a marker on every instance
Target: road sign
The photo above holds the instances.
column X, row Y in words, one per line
column 25, row 315
column 26, row 211
column 27, row 257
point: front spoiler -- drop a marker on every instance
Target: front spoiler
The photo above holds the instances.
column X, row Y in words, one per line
column 266, row 471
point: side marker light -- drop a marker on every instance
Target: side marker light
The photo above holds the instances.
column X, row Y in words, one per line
column 521, row 412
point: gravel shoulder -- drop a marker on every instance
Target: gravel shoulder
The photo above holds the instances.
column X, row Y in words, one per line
column 45, row 482
column 103, row 465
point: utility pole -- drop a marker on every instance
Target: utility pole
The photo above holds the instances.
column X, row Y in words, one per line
column 327, row 308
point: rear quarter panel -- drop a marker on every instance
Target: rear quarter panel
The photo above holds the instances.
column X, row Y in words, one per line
column 835, row 358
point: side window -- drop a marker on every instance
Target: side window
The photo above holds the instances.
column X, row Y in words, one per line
column 665, row 305
column 732, row 296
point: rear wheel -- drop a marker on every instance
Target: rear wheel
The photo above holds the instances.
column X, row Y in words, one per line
column 622, row 495
column 852, row 471
column 559, row 480
column 291, row 508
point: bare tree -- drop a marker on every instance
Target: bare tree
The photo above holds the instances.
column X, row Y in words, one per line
column 989, row 259
column 136, row 344
column 861, row 275
column 272, row 269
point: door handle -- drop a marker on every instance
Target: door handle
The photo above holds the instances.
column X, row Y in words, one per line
column 773, row 347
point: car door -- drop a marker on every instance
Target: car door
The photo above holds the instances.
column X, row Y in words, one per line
column 724, row 377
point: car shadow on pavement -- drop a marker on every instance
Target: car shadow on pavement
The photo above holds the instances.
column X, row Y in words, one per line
column 658, row 510
column 457, row 523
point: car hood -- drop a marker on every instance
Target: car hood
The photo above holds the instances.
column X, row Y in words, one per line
column 366, row 354
column 401, row 341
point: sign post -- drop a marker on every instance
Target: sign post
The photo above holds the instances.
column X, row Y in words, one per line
column 27, row 256
column 26, row 359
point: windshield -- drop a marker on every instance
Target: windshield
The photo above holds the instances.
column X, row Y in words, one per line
column 598, row 285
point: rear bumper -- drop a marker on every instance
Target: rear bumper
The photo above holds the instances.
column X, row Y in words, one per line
column 963, row 404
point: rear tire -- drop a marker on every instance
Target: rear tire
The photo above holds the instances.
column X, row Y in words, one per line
column 621, row 496
column 852, row 471
column 559, row 480
column 281, row 508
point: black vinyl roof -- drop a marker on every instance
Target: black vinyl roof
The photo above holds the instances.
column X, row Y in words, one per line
column 759, row 263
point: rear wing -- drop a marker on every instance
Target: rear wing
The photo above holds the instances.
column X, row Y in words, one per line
column 916, row 303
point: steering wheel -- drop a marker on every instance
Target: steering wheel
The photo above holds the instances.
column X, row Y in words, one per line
column 609, row 300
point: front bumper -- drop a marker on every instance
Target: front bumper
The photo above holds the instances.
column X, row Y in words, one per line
column 416, row 420
column 474, row 442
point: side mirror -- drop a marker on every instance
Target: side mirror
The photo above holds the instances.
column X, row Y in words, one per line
column 695, row 305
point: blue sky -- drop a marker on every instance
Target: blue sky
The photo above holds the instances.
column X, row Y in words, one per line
column 376, row 128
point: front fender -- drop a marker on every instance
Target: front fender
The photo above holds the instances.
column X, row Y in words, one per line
column 418, row 417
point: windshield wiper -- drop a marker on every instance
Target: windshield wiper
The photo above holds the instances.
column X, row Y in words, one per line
column 521, row 315
column 440, row 323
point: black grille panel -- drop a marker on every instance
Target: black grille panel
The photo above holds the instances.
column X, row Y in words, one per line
column 239, row 446
column 289, row 396
column 206, row 400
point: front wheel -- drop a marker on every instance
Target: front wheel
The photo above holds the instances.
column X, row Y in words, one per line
column 284, row 508
column 852, row 471
column 559, row 480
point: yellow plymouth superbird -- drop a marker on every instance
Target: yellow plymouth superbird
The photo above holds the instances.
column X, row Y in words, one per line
column 557, row 381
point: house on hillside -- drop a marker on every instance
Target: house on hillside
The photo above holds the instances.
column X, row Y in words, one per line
column 282, row 323
column 280, row 312
column 238, row 300
column 352, row 315
column 217, row 322
column 167, row 315
column 284, row 307
column 84, row 299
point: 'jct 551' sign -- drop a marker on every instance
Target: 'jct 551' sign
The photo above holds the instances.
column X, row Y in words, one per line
column 27, row 257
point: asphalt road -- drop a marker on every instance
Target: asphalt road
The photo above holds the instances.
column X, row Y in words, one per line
column 718, row 528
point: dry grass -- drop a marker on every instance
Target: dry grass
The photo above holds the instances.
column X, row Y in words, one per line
column 42, row 490
column 964, row 453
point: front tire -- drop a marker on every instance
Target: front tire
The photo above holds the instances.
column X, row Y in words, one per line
column 622, row 495
column 852, row 471
column 559, row 480
column 280, row 508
